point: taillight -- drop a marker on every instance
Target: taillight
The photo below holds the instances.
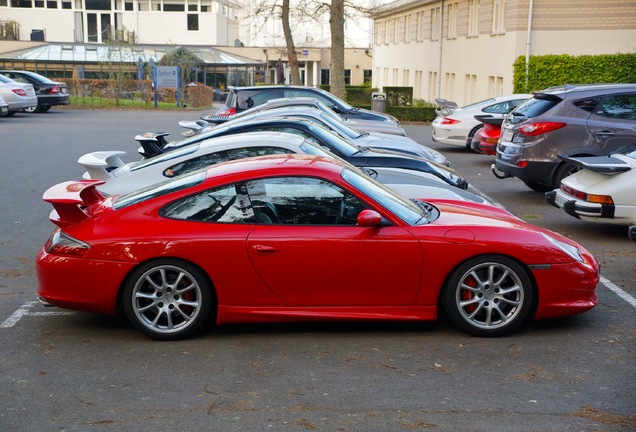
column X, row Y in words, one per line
column 227, row 112
column 534, row 129
column 449, row 121
column 55, row 90
column 599, row 199
column 63, row 244
column 19, row 92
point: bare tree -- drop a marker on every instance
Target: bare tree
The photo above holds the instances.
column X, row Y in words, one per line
column 336, row 24
column 289, row 42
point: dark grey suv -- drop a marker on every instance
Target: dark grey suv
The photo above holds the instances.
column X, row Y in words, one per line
column 242, row 98
column 571, row 120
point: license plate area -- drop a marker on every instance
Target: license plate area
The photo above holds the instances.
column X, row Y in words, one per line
column 507, row 135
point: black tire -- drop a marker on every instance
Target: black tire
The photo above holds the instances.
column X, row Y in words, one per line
column 11, row 113
column 564, row 170
column 168, row 299
column 538, row 187
column 33, row 109
column 44, row 109
column 471, row 134
column 488, row 296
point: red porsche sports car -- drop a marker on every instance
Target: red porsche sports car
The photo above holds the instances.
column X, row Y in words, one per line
column 301, row 238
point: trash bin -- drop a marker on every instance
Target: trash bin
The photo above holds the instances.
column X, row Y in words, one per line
column 378, row 101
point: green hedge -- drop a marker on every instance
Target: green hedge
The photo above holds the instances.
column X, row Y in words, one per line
column 399, row 96
column 408, row 113
column 556, row 70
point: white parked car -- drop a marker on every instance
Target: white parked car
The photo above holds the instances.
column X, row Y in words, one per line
column 122, row 178
column 19, row 96
column 457, row 125
column 4, row 107
column 603, row 191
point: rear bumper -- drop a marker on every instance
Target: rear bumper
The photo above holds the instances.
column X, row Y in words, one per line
column 535, row 172
column 580, row 209
column 51, row 100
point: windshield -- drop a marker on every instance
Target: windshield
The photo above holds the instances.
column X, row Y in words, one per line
column 407, row 210
column 164, row 157
column 340, row 126
column 334, row 141
column 158, row 189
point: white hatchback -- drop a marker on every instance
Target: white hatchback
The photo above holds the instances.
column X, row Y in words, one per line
column 457, row 126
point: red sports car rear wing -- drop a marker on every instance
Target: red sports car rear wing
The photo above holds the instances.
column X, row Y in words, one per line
column 69, row 199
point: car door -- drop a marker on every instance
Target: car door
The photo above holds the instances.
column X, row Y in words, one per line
column 310, row 251
column 613, row 122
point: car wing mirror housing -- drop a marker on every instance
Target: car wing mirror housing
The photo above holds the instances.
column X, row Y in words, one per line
column 370, row 218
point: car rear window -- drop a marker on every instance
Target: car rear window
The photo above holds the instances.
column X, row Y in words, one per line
column 536, row 106
column 250, row 98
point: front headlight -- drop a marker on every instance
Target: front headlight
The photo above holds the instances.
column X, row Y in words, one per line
column 570, row 250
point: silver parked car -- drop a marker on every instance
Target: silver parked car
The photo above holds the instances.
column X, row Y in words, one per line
column 18, row 96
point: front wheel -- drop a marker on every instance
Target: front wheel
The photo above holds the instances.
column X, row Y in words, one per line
column 489, row 296
column 168, row 299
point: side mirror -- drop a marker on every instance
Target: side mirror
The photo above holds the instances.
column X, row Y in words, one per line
column 631, row 232
column 369, row 218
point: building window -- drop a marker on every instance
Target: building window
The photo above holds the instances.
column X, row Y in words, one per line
column 39, row 3
column 51, row 4
column 128, row 6
column 435, row 24
column 96, row 5
column 473, row 18
column 470, row 88
column 173, row 5
column 449, row 86
column 21, row 3
column 325, row 76
column 66, row 4
column 499, row 17
column 419, row 31
column 193, row 22
column 407, row 28
column 452, row 21
column 432, row 85
column 347, row 76
column 367, row 76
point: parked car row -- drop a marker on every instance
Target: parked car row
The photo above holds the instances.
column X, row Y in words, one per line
column 575, row 143
column 30, row 92
column 287, row 218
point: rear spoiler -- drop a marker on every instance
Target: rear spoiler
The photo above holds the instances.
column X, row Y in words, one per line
column 215, row 119
column 152, row 143
column 69, row 200
column 99, row 164
column 193, row 127
column 488, row 119
column 444, row 107
column 601, row 164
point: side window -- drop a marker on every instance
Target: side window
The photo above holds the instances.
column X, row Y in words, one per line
column 246, row 152
column 194, row 164
column 302, row 201
column 229, row 204
column 309, row 94
column 500, row 107
column 619, row 107
column 588, row 104
column 251, row 98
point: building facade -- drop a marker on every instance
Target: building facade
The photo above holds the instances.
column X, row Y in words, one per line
column 183, row 22
column 464, row 50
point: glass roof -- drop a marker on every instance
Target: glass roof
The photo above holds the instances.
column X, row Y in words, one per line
column 99, row 53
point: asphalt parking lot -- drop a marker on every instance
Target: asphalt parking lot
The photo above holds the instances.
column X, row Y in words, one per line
column 68, row 371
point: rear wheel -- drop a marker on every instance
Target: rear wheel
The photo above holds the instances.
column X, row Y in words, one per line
column 44, row 109
column 471, row 134
column 32, row 109
column 168, row 299
column 489, row 296
column 564, row 170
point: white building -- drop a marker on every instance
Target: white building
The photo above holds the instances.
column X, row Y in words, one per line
column 179, row 22
column 464, row 50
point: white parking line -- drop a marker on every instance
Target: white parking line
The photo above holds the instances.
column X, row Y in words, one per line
column 24, row 310
column 619, row 292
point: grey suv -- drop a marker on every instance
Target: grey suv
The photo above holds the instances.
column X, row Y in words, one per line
column 571, row 120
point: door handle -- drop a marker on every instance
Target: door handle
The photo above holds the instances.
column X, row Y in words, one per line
column 264, row 249
column 605, row 133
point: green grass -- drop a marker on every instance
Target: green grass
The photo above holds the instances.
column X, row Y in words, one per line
column 98, row 102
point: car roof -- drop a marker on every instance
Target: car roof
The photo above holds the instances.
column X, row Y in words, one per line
column 249, row 139
column 273, row 165
column 278, row 86
column 573, row 88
